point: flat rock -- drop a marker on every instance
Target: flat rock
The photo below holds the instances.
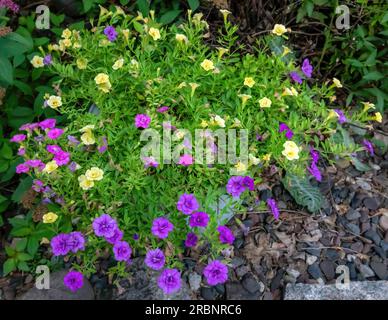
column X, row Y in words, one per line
column 235, row 291
column 384, row 223
column 371, row 203
column 328, row 269
column 380, row 269
column 357, row 290
column 58, row 291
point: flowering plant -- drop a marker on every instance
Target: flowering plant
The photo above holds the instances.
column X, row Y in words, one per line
column 128, row 77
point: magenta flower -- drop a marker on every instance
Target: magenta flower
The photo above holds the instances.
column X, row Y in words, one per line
column 313, row 169
column 185, row 160
column 314, row 155
column 37, row 185
column 341, row 116
column 226, row 235
column 35, row 163
column 110, row 33
column 53, row 148
column 10, row 5
column 76, row 241
column 155, row 259
column 162, row 109
column 296, row 77
column 104, row 226
column 74, row 280
column 273, row 207
column 21, row 151
column 170, row 281
column 117, row 236
column 122, row 251
column 62, row 158
column 283, row 127
column 22, row 168
column 18, row 138
column 47, row 124
column 150, row 162
column 187, row 203
column 54, row 133
column 60, row 244
column 29, row 127
column 216, row 273
column 307, row 68
column 199, row 219
column 368, row 147
column 161, row 227
column 191, row 240
column 142, row 121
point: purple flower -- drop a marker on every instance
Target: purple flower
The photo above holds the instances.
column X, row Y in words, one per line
column 104, row 226
column 22, row 168
column 150, row 162
column 73, row 140
column 185, row 160
column 135, row 237
column 37, row 185
column 170, row 281
column 122, row 251
column 18, row 138
column 314, row 155
column 62, row 158
column 110, row 33
column 21, row 151
column 29, row 127
column 313, row 169
column 296, row 77
column 238, row 184
column 259, row 137
column 162, row 109
column 73, row 166
column 117, row 236
column 199, row 219
column 47, row 60
column 54, row 133
column 104, row 145
column 226, row 235
column 368, row 147
column 10, row 5
column 284, row 127
column 216, row 273
column 74, row 280
column 76, row 241
column 47, row 124
column 161, row 227
column 341, row 116
column 307, row 68
column 273, row 207
column 35, row 163
column 155, row 259
column 249, row 183
column 191, row 240
column 142, row 121
column 53, row 148
column 60, row 245
column 187, row 203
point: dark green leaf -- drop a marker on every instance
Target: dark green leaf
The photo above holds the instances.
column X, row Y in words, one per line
column 9, row 266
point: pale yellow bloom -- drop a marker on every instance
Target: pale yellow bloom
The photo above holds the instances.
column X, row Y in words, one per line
column 225, row 13
column 180, row 134
column 119, row 11
column 89, row 127
column 118, row 64
column 290, row 92
column 37, row 62
column 249, row 82
column 240, row 167
column 253, row 160
column 134, row 64
column 81, row 63
column 50, row 217
column 267, row 157
column 236, row 123
column 378, row 117
column 221, row 52
column 332, row 114
column 181, row 38
column 125, row 33
column 219, row 121
column 55, row 47
column 101, row 78
column 154, row 33
column 182, row 85
column 204, row 123
column 88, row 138
column 291, row 150
column 265, row 102
column 286, row 51
column 104, row 42
column 50, row 166
column 66, row 42
column 66, row 33
column 244, row 98
column 367, row 106
column 193, row 86
column 85, row 183
column 77, row 45
column 54, row 102
column 279, row 29
column 337, row 83
column 207, row 65
column 94, row 174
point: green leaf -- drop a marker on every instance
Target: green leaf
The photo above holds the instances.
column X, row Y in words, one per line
column 359, row 165
column 32, row 246
column 6, row 151
column 374, row 75
column 10, row 251
column 143, row 7
column 23, row 186
column 88, row 4
column 193, row 4
column 21, row 232
column 309, row 8
column 21, row 244
column 24, row 256
column 6, row 74
column 9, row 266
column 23, row 266
column 169, row 16
column 25, row 88
column 303, row 192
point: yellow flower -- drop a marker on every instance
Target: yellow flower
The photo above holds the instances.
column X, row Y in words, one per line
column 118, row 64
column 290, row 92
column 181, row 38
column 125, row 33
column 37, row 62
column 204, row 123
column 94, row 174
column 101, row 78
column 265, row 102
column 180, row 134
column 219, row 121
column 378, row 117
column 193, row 86
column 253, row 160
column 244, row 98
column 240, row 167
column 77, row 45
column 182, row 85
column 81, row 63
column 337, row 83
column 249, row 82
column 89, row 127
column 54, row 102
column 367, row 106
column 225, row 13
column 286, row 51
column 50, row 167
column 279, row 29
column 291, row 150
column 267, row 157
column 66, row 33
column 236, row 123
column 154, row 33
column 85, row 183
column 221, row 52
column 88, row 138
column 332, row 114
column 66, row 42
column 50, row 217
column 207, row 65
